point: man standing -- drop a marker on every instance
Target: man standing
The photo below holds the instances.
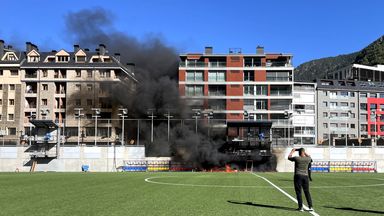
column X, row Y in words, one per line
column 301, row 180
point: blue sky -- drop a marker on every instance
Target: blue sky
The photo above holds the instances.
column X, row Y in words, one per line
column 309, row 29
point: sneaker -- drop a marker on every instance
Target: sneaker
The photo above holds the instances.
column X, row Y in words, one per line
column 300, row 209
column 311, row 209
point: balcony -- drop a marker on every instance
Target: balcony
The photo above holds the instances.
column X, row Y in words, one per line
column 203, row 64
column 279, row 79
column 278, row 64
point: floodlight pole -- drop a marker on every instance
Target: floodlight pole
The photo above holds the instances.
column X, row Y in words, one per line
column 78, row 115
column 97, row 113
column 196, row 116
column 123, row 114
column 151, row 116
column 168, row 115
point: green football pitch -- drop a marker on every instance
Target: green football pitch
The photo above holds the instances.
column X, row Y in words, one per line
column 188, row 193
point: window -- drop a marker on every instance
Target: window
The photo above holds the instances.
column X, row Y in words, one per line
column 372, row 95
column 80, row 58
column 89, row 87
column 352, row 125
column 352, row 115
column 89, row 102
column 194, row 90
column 261, row 90
column 44, row 102
column 249, row 76
column 1, row 73
column 363, row 106
column 11, row 117
column 1, row 102
column 11, row 131
column 45, row 87
column 333, row 114
column 216, row 76
column 45, row 73
column 1, row 117
column 333, row 125
column 261, row 104
column 363, row 94
column 344, row 104
column 14, row 72
column 249, row 90
column 344, row 93
column 352, row 105
column 78, row 87
column 333, row 104
column 325, row 103
column 12, row 87
column 1, row 87
column 364, row 127
column 325, row 125
column 325, row 114
column 62, row 58
column 325, row 93
column 78, row 102
column 11, row 102
column 89, row 73
column 364, row 117
column 373, row 107
column 352, row 94
column 194, row 76
column 78, row 73
column 105, row 74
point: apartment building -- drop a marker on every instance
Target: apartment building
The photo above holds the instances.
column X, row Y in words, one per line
column 71, row 88
column 10, row 95
column 349, row 113
column 303, row 115
column 238, row 86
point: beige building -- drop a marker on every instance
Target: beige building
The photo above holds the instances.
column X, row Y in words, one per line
column 59, row 85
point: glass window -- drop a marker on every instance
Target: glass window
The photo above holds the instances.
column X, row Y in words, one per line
column 363, row 94
column 11, row 87
column 78, row 73
column 325, row 103
column 11, row 117
column 372, row 95
column 11, row 131
column 364, row 127
column 11, row 102
column 344, row 104
column 325, row 114
column 249, row 76
column 352, row 105
column 325, row 125
column 249, row 90
column 261, row 90
column 352, row 94
column 195, row 76
column 372, row 107
column 363, row 106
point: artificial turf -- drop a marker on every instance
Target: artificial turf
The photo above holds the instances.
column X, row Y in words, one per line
column 176, row 193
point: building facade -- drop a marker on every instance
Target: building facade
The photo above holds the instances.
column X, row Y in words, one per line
column 71, row 88
column 237, row 86
column 359, row 72
column 303, row 114
column 349, row 113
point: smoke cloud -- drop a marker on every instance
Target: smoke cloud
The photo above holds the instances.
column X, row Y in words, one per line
column 156, row 68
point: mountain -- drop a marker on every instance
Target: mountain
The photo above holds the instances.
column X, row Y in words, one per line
column 373, row 54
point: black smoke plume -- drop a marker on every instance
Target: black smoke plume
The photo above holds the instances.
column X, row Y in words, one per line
column 156, row 68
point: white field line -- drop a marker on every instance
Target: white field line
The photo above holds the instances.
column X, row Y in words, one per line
column 153, row 181
column 285, row 193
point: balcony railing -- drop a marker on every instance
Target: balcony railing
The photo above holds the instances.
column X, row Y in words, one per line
column 281, row 93
column 278, row 79
column 278, row 64
column 202, row 64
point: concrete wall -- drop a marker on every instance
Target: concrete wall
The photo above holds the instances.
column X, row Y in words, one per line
column 332, row 154
column 99, row 159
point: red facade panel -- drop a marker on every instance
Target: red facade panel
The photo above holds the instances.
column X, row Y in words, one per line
column 261, row 75
column 235, row 61
column 235, row 76
column 234, row 116
column 235, row 104
column 234, row 90
column 378, row 102
column 182, row 75
column 182, row 89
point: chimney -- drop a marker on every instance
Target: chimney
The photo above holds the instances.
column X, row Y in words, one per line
column 76, row 48
column 86, row 50
column 260, row 50
column 1, row 48
column 35, row 47
column 28, row 47
column 117, row 56
column 102, row 49
column 208, row 50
